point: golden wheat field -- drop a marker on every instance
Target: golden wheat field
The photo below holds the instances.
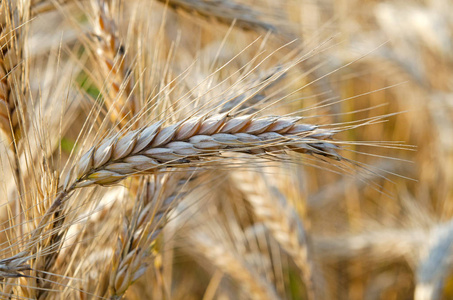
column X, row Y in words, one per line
column 216, row 149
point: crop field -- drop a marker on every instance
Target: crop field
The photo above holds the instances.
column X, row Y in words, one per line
column 226, row 149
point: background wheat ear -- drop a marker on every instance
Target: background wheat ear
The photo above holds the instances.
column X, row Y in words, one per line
column 13, row 16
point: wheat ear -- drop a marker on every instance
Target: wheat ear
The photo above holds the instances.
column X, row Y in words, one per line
column 230, row 263
column 110, row 54
column 13, row 267
column 136, row 242
column 435, row 266
column 190, row 143
column 224, row 11
column 193, row 141
column 12, row 17
column 8, row 112
column 393, row 244
column 184, row 144
column 271, row 207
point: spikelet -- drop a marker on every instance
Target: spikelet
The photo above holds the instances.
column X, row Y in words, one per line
column 193, row 141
